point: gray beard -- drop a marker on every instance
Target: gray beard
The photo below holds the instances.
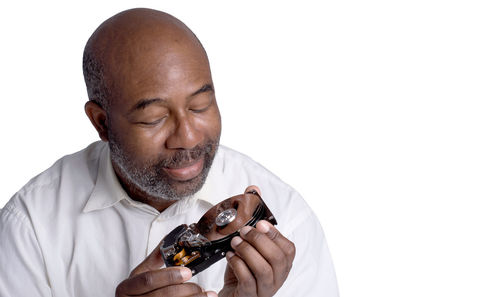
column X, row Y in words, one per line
column 150, row 179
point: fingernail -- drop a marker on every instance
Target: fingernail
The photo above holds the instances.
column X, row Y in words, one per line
column 236, row 241
column 229, row 255
column 211, row 294
column 186, row 273
column 264, row 226
column 245, row 230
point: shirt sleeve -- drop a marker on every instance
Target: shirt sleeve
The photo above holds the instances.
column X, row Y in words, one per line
column 22, row 270
column 312, row 272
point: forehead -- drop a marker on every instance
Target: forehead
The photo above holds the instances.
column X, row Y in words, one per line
column 157, row 66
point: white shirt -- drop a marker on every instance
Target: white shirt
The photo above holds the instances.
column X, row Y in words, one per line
column 73, row 230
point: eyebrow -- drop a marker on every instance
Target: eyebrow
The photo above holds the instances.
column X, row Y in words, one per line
column 143, row 103
column 205, row 88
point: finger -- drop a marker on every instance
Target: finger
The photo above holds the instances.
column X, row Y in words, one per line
column 185, row 289
column 247, row 285
column 264, row 273
column 279, row 259
column 285, row 245
column 152, row 280
column 205, row 294
column 253, row 188
column 153, row 261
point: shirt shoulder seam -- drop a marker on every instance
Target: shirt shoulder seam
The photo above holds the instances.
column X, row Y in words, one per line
column 17, row 214
column 249, row 162
column 49, row 179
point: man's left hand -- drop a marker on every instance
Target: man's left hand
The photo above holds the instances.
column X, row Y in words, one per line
column 260, row 263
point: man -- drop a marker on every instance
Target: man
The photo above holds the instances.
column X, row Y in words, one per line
column 90, row 225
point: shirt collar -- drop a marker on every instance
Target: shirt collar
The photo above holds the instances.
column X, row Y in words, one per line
column 108, row 190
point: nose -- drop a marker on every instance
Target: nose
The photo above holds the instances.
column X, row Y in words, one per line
column 185, row 135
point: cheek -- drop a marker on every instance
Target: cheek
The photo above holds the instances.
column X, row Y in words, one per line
column 145, row 144
column 210, row 125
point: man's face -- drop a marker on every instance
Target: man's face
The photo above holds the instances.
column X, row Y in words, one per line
column 163, row 122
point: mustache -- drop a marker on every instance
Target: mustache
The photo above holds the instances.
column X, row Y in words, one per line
column 183, row 156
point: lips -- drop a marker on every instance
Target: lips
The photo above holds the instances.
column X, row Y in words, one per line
column 186, row 171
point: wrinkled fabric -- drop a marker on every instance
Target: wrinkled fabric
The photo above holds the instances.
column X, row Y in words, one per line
column 73, row 230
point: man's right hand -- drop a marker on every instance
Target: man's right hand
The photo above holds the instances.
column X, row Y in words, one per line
column 148, row 280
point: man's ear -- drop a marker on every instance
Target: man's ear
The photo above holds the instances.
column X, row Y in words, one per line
column 98, row 117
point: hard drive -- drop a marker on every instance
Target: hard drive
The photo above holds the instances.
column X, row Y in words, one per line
column 199, row 245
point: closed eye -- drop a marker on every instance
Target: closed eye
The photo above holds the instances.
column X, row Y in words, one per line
column 199, row 110
column 201, row 105
column 153, row 123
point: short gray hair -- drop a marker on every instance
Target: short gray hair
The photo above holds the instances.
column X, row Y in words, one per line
column 94, row 75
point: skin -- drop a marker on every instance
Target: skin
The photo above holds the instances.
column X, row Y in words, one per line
column 154, row 60
column 260, row 263
column 160, row 63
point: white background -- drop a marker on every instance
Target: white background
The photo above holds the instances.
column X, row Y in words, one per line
column 383, row 114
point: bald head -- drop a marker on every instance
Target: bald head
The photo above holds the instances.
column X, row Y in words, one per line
column 132, row 40
column 152, row 99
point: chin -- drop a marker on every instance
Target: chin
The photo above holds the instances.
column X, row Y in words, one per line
column 178, row 190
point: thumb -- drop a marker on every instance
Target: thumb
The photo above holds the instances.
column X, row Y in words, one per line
column 153, row 261
column 253, row 188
